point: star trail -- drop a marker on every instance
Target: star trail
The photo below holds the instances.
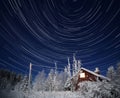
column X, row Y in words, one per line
column 46, row 31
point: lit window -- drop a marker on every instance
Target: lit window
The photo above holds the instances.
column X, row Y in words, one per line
column 82, row 75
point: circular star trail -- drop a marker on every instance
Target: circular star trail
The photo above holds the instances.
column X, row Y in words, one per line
column 46, row 31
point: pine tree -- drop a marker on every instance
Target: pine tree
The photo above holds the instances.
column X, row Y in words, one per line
column 24, row 84
column 49, row 81
column 39, row 83
column 74, row 65
column 115, row 82
column 118, row 69
column 117, row 78
column 69, row 69
column 79, row 64
column 111, row 72
column 62, row 78
column 56, row 81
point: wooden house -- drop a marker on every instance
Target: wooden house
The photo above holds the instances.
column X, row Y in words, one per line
column 85, row 75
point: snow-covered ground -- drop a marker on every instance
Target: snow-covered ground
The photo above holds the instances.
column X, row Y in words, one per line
column 62, row 94
column 11, row 94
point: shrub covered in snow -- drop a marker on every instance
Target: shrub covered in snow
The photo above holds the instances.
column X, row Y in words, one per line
column 98, row 90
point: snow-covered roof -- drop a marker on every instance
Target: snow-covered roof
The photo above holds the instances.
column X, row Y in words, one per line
column 98, row 75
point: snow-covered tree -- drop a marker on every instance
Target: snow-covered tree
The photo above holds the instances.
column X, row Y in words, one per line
column 49, row 81
column 118, row 69
column 79, row 64
column 115, row 81
column 74, row 65
column 56, row 79
column 72, row 81
column 24, row 84
column 69, row 68
column 111, row 72
column 61, row 80
column 39, row 83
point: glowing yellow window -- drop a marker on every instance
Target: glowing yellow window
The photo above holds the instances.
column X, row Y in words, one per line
column 82, row 75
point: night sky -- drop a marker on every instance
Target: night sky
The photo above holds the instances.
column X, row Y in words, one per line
column 46, row 31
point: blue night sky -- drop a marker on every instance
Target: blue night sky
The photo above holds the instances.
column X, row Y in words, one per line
column 46, row 31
